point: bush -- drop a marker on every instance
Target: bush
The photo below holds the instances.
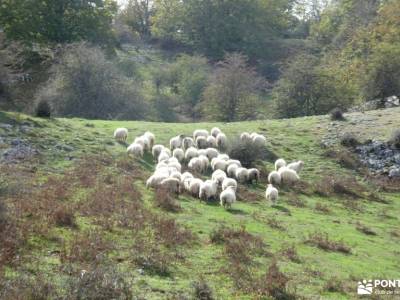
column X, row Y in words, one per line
column 322, row 241
column 86, row 84
column 395, row 139
column 248, row 153
column 337, row 114
column 43, row 109
column 166, row 201
column 349, row 140
column 202, row 290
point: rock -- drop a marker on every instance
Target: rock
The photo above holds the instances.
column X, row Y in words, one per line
column 5, row 126
column 394, row 173
column 25, row 128
column 16, row 142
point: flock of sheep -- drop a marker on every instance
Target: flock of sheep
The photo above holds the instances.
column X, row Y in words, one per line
column 201, row 152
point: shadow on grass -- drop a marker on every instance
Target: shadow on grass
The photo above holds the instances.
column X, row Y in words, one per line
column 236, row 211
column 281, row 208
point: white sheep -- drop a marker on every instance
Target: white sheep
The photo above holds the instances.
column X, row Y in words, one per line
column 155, row 180
column 201, row 142
column 191, row 153
column 279, row 164
column 229, row 182
column 234, row 161
column 151, row 137
column 259, row 140
column 274, row 178
column 288, row 176
column 135, row 149
column 200, row 132
column 171, row 184
column 204, row 162
column 194, row 186
column 245, row 137
column 156, row 150
column 211, row 153
column 231, row 170
column 222, row 141
column 223, row 156
column 178, row 154
column 202, row 152
column 242, row 175
column 253, row 175
column 176, row 142
column 215, row 131
column 227, row 197
column 271, row 194
column 218, row 175
column 177, row 175
column 187, row 143
column 176, row 165
column 144, row 141
column 211, row 141
column 196, row 164
column 208, row 189
column 186, row 175
column 121, row 134
column 164, row 155
column 219, row 164
column 296, row 166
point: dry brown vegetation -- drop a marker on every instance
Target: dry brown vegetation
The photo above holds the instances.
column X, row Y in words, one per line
column 166, row 200
column 322, row 241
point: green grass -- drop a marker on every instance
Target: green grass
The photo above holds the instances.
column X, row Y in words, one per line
column 372, row 256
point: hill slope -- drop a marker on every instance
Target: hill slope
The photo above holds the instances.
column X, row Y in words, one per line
column 76, row 202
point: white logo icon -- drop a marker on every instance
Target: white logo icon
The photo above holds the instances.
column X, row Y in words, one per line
column 365, row 287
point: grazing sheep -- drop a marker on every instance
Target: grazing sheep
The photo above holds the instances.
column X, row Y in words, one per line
column 218, row 175
column 274, row 178
column 187, row 143
column 155, row 180
column 200, row 132
column 194, row 186
column 211, row 153
column 223, row 156
column 175, row 165
column 288, row 176
column 253, row 175
column 242, row 175
column 215, row 131
column 191, row 153
column 164, row 155
column 135, row 149
column 227, row 197
column 150, row 137
column 176, row 142
column 229, row 182
column 121, row 134
column 279, row 164
column 245, row 137
column 156, row 150
column 142, row 140
column 231, row 170
column 234, row 161
column 196, row 164
column 211, row 141
column 186, row 175
column 205, row 163
column 173, row 185
column 177, row 175
column 296, row 166
column 219, row 164
column 259, row 139
column 208, row 189
column 178, row 154
column 222, row 141
column 271, row 194
column 202, row 152
column 201, row 142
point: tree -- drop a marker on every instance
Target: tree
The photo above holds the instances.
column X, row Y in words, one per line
column 137, row 15
column 58, row 21
column 232, row 93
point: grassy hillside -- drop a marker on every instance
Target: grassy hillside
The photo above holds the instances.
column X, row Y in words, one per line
column 81, row 204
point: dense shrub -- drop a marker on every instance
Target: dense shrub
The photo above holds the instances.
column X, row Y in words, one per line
column 336, row 114
column 248, row 153
column 86, row 84
column 202, row 290
column 349, row 140
column 43, row 109
column 322, row 241
column 395, row 139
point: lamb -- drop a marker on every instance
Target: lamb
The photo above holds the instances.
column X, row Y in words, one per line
column 178, row 154
column 200, row 132
column 201, row 142
column 253, row 175
column 121, row 134
column 191, row 153
column 296, row 166
column 196, row 164
column 279, row 164
column 173, row 185
column 211, row 153
column 219, row 176
column 176, row 142
column 288, row 176
column 135, row 149
column 245, row 137
column 274, row 178
column 222, row 141
column 215, row 131
column 229, row 182
column 259, row 139
column 231, row 170
column 211, row 141
column 187, row 143
column 156, row 150
column 208, row 189
column 242, row 175
column 194, row 186
column 150, row 137
column 164, row 155
column 227, row 197
column 271, row 194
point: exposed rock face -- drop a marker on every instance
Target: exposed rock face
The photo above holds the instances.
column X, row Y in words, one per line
column 388, row 102
column 380, row 158
column 19, row 150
